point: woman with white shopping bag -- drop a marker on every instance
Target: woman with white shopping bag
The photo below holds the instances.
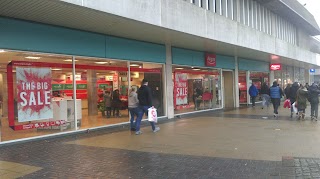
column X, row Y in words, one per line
column 145, row 102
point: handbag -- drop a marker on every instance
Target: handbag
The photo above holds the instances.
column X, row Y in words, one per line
column 152, row 115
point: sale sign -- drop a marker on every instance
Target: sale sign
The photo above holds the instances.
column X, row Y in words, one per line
column 181, row 88
column 34, row 94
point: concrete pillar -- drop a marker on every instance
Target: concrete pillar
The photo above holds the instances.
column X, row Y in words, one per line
column 271, row 78
column 92, row 92
column 4, row 93
column 236, row 82
column 168, row 91
column 307, row 76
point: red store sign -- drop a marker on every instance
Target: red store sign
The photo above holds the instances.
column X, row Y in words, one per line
column 210, row 60
column 275, row 67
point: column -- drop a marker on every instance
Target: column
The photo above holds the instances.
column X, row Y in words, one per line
column 271, row 78
column 168, row 87
column 92, row 92
column 236, row 82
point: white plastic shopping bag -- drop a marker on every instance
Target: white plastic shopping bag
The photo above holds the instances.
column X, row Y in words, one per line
column 152, row 115
column 294, row 107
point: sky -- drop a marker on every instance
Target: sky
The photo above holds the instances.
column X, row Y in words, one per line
column 313, row 6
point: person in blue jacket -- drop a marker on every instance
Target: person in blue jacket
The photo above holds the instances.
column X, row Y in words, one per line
column 253, row 92
column 275, row 93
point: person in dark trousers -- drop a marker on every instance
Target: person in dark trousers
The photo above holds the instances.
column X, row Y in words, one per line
column 133, row 106
column 107, row 103
column 145, row 102
column 265, row 95
column 253, row 92
column 116, row 103
column 275, row 94
column 313, row 96
column 293, row 94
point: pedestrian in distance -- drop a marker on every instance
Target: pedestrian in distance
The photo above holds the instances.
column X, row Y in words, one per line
column 302, row 95
column 107, row 103
column 313, row 97
column 275, row 94
column 133, row 106
column 265, row 95
column 253, row 92
column 292, row 95
column 145, row 102
column 116, row 103
column 287, row 91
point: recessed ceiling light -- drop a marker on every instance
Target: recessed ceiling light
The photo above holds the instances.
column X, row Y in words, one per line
column 34, row 58
column 56, row 69
column 1, row 51
column 69, row 60
column 134, row 65
column 196, row 69
column 178, row 68
column 101, row 62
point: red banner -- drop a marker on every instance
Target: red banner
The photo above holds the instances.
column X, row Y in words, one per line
column 181, row 89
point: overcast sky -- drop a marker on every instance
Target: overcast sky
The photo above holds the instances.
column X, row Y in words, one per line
column 313, row 6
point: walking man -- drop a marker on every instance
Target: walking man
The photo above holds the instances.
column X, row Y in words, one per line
column 145, row 102
column 313, row 96
column 265, row 94
column 133, row 106
column 253, row 92
column 275, row 94
column 302, row 95
column 293, row 95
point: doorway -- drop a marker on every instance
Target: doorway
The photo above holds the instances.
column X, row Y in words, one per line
column 228, row 89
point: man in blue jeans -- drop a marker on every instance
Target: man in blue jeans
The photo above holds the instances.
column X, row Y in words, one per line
column 145, row 102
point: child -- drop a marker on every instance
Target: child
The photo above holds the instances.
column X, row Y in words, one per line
column 107, row 103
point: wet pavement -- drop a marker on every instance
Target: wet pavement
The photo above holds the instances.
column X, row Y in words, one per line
column 242, row 143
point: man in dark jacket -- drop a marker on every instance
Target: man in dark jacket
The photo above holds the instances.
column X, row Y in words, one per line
column 265, row 94
column 313, row 97
column 145, row 102
column 293, row 94
column 275, row 94
column 253, row 92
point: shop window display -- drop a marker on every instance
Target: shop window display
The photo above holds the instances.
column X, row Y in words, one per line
column 37, row 92
column 196, row 89
column 243, row 89
column 258, row 78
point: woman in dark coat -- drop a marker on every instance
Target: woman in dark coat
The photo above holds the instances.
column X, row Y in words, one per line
column 293, row 94
column 116, row 103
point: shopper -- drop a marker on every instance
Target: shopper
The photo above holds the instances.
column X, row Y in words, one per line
column 265, row 95
column 293, row 94
column 133, row 105
column 107, row 103
column 145, row 102
column 116, row 103
column 313, row 97
column 287, row 91
column 253, row 92
column 302, row 95
column 275, row 94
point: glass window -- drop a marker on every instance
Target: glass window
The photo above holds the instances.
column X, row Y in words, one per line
column 32, row 100
column 196, row 89
column 258, row 78
column 243, row 89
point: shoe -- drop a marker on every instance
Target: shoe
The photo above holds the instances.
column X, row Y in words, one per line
column 291, row 115
column 312, row 118
column 138, row 132
column 133, row 129
column 315, row 119
column 156, row 129
column 275, row 115
column 262, row 108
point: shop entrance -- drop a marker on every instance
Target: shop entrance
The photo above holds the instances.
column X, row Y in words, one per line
column 228, row 89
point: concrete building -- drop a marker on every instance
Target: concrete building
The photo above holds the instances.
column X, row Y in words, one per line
column 198, row 55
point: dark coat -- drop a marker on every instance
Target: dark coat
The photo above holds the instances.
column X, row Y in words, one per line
column 145, row 96
column 264, row 89
column 293, row 92
column 313, row 93
column 302, row 95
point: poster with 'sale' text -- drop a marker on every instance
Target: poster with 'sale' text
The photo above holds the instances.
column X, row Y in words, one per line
column 181, row 88
column 34, row 94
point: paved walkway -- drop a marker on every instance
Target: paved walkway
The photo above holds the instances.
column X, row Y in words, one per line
column 243, row 143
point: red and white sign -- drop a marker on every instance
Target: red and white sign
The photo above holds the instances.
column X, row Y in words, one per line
column 210, row 60
column 275, row 67
column 115, row 81
column 181, row 88
column 40, row 125
column 34, row 94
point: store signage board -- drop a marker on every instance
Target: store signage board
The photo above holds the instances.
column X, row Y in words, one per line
column 34, row 94
column 312, row 70
column 181, row 88
column 275, row 67
column 210, row 60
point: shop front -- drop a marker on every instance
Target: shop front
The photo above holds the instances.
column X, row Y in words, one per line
column 251, row 72
column 55, row 80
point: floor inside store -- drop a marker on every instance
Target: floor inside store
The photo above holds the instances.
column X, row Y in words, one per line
column 7, row 133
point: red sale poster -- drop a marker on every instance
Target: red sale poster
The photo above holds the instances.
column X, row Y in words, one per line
column 34, row 94
column 181, row 89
